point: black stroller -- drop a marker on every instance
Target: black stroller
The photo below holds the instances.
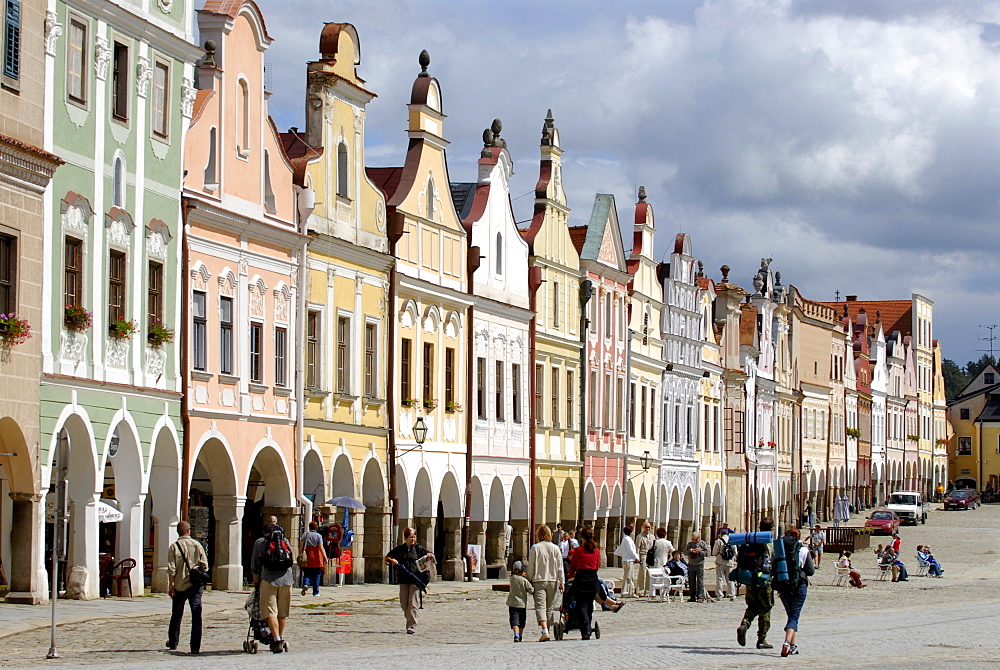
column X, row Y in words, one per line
column 569, row 619
column 259, row 632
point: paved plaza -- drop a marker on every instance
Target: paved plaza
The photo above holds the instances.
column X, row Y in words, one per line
column 922, row 623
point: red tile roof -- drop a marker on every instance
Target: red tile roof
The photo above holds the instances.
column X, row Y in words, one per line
column 895, row 314
column 579, row 236
column 295, row 145
column 231, row 8
column 386, row 178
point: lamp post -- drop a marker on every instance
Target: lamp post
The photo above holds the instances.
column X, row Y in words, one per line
column 420, row 431
column 57, row 489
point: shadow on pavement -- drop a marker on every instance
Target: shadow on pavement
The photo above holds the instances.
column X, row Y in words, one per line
column 711, row 651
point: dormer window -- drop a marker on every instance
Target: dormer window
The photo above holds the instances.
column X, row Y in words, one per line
column 988, row 378
column 118, row 183
column 342, row 170
column 430, row 199
column 499, row 254
column 243, row 110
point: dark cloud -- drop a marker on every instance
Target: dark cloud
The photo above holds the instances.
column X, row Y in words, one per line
column 857, row 143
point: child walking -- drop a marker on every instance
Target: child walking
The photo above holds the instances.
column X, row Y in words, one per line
column 517, row 600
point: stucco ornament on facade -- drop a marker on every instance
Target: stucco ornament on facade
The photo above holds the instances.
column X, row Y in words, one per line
column 102, row 56
column 120, row 230
column 188, row 93
column 143, row 73
column 156, row 360
column 53, row 31
column 73, row 346
column 165, row 5
column 157, row 238
column 116, row 353
column 281, row 297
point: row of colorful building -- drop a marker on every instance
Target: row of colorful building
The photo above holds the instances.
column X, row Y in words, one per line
column 229, row 322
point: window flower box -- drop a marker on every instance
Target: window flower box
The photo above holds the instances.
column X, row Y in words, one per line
column 122, row 329
column 452, row 406
column 76, row 318
column 430, row 403
column 13, row 330
column 159, row 334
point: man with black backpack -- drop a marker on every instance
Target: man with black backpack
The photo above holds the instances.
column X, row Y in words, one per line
column 271, row 567
column 724, row 554
column 753, row 569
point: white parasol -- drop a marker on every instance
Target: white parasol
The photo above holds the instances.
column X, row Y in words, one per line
column 108, row 514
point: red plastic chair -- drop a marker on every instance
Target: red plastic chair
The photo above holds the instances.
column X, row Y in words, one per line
column 121, row 574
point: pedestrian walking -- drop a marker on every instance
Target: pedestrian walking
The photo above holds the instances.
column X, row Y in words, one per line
column 724, row 554
column 583, row 566
column 643, row 543
column 753, row 564
column 546, row 574
column 517, row 599
column 696, row 551
column 271, row 569
column 630, row 561
column 793, row 596
column 311, row 544
column 183, row 556
column 566, row 546
column 817, row 540
column 557, row 534
column 412, row 580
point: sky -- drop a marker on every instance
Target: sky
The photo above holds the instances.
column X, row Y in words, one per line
column 855, row 143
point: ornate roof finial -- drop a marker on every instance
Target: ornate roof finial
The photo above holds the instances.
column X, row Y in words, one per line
column 758, row 284
column 777, row 279
column 425, row 61
column 642, row 194
column 496, row 127
column 725, row 274
column 209, row 54
column 548, row 115
column 701, row 267
column 487, row 142
column 878, row 316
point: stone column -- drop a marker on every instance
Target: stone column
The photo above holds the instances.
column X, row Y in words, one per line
column 613, row 536
column 166, row 534
column 130, row 541
column 82, row 580
column 453, row 567
column 496, row 542
column 227, row 573
column 376, row 545
column 600, row 534
column 358, row 561
column 684, row 536
column 25, row 580
column 519, row 538
column 706, row 529
column 673, row 532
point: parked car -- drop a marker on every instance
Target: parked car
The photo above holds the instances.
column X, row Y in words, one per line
column 883, row 522
column 962, row 499
column 909, row 505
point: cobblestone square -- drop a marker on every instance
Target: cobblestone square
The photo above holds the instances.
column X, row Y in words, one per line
column 922, row 623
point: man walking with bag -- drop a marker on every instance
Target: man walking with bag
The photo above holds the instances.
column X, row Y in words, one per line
column 271, row 567
column 187, row 575
column 630, row 562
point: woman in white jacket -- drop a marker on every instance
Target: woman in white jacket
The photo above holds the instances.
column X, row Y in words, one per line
column 662, row 548
column 545, row 572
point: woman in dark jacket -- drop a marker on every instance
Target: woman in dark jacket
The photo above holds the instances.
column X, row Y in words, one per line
column 583, row 566
column 411, row 579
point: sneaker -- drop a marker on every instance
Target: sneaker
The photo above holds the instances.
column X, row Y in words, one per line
column 763, row 644
column 741, row 635
column 793, row 649
column 411, row 632
column 786, row 649
column 544, row 637
column 171, row 647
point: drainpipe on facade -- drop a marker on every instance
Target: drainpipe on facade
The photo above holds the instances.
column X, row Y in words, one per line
column 472, row 264
column 394, row 231
column 628, row 419
column 186, row 467
column 586, row 293
column 534, row 283
column 306, row 202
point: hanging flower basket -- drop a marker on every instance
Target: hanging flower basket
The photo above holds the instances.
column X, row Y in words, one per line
column 159, row 334
column 13, row 330
column 76, row 318
column 122, row 329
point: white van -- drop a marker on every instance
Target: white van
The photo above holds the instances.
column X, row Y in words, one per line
column 909, row 506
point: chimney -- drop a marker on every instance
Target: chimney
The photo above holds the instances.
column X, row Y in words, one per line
column 852, row 298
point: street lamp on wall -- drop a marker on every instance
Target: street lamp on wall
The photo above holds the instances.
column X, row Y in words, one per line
column 420, row 431
column 808, row 467
column 645, row 461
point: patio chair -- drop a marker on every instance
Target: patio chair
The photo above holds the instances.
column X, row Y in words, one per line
column 677, row 585
column 658, row 583
column 922, row 567
column 884, row 572
column 843, row 576
column 120, row 575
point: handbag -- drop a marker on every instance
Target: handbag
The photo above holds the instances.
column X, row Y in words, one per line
column 196, row 576
column 303, row 559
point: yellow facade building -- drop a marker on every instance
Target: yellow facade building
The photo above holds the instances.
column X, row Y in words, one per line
column 345, row 376
column 557, row 379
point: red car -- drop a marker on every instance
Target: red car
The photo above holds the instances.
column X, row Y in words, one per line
column 883, row 522
column 962, row 499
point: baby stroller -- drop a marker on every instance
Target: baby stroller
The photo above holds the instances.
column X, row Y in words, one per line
column 569, row 619
column 258, row 632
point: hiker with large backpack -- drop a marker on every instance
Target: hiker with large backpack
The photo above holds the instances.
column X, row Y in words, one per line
column 271, row 568
column 725, row 554
column 753, row 570
column 791, row 569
